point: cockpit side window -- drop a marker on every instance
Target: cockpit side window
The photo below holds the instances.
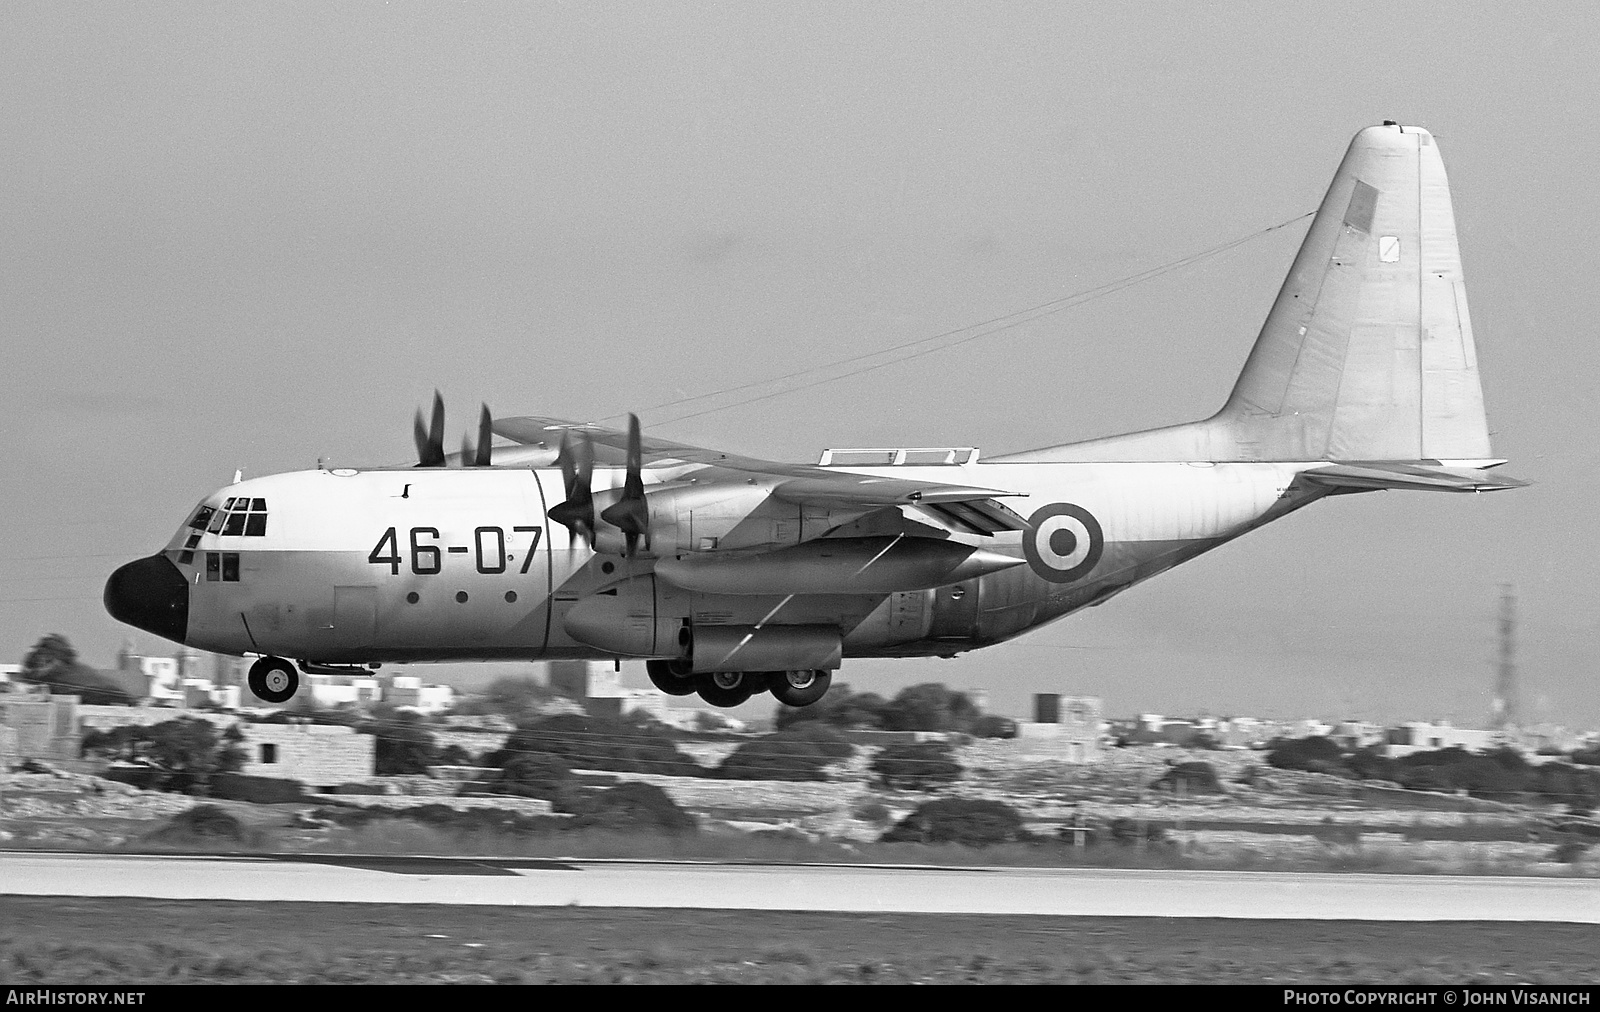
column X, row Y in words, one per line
column 201, row 518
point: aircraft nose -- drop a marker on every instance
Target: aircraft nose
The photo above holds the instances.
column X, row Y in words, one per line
column 150, row 594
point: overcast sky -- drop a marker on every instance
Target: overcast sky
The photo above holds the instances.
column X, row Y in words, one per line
column 252, row 236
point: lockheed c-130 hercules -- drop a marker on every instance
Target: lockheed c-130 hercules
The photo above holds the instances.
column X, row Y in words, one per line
column 731, row 576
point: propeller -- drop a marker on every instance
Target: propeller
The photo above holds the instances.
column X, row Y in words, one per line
column 577, row 466
column 482, row 456
column 631, row 514
column 430, row 440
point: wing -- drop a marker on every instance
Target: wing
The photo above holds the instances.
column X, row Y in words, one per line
column 973, row 508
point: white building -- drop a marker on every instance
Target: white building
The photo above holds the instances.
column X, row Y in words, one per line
column 334, row 690
column 317, row 755
column 1073, row 736
column 409, row 692
column 1420, row 736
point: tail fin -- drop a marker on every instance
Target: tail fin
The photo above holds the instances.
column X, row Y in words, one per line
column 1367, row 353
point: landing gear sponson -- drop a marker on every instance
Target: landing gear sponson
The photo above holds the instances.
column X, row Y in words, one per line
column 730, row 688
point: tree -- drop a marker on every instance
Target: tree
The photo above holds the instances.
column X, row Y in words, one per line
column 54, row 663
column 598, row 743
column 403, row 747
column 918, row 766
column 184, row 753
column 930, row 707
column 1315, row 754
column 50, row 657
column 800, row 752
column 839, row 708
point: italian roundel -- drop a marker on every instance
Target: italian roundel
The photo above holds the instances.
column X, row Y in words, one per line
column 1063, row 542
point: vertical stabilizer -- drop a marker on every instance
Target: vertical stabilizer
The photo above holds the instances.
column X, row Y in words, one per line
column 1367, row 353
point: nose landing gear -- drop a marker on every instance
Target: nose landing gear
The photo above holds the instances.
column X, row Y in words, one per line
column 273, row 680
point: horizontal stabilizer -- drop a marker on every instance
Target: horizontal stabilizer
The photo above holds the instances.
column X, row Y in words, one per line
column 1412, row 476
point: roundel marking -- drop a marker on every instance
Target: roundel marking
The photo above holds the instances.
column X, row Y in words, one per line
column 1063, row 542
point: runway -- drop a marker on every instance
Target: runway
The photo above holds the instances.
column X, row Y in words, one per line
column 835, row 888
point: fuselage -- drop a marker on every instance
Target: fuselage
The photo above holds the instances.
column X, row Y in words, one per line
column 426, row 564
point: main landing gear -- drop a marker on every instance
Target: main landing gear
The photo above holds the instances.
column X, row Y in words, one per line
column 730, row 688
column 273, row 680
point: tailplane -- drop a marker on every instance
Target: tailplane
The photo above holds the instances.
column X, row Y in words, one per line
column 1367, row 354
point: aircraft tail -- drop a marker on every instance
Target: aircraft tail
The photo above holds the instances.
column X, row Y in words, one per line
column 1367, row 354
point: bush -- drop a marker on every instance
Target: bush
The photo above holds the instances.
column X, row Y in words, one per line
column 800, row 752
column 444, row 817
column 599, row 743
column 629, row 807
column 201, row 823
column 258, row 790
column 993, row 726
column 1192, row 777
column 967, row 821
column 921, row 765
column 1315, row 754
column 839, row 708
column 539, row 775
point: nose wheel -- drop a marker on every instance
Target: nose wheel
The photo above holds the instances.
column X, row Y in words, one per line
column 273, row 680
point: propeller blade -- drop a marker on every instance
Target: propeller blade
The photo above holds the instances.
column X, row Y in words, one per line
column 577, row 468
column 631, row 514
column 485, row 455
column 430, row 441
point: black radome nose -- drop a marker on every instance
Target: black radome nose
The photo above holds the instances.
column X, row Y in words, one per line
column 150, row 594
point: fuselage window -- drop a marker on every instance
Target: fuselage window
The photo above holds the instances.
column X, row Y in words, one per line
column 222, row 566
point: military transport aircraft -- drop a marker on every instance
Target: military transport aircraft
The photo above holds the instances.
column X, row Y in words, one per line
column 731, row 576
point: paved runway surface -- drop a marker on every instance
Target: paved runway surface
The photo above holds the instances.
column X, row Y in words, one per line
column 1061, row 892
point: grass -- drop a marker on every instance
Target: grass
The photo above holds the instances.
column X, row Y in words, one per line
column 59, row 940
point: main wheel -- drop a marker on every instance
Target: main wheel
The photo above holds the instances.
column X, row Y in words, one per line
column 663, row 677
column 728, row 688
column 801, row 688
column 273, row 680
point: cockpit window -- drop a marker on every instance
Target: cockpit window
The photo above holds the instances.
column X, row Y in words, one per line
column 241, row 517
column 201, row 518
